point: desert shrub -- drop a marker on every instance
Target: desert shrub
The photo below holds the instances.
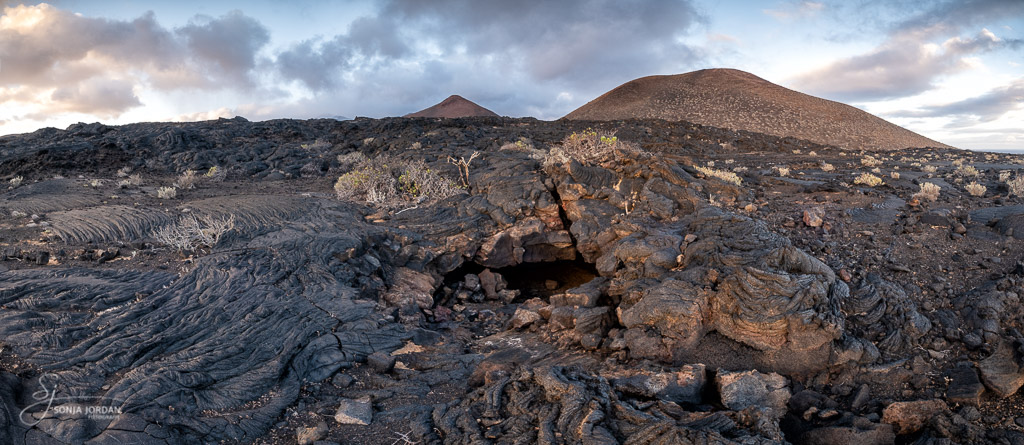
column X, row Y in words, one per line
column 416, row 146
column 190, row 233
column 371, row 180
column 723, row 175
column 94, row 183
column 15, row 182
column 826, row 167
column 928, row 192
column 123, row 184
column 588, row 146
column 418, row 180
column 123, row 172
column 135, row 180
column 929, row 169
column 166, row 193
column 1016, row 186
column 216, row 174
column 782, row 171
column 1004, row 176
column 526, row 146
column 967, row 171
column 387, row 181
column 870, row 161
column 868, row 179
column 975, row 189
column 958, row 163
column 740, row 169
column 187, row 180
column 348, row 161
column 894, row 175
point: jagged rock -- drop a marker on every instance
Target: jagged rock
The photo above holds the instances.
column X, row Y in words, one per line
column 965, row 387
column 814, row 217
column 342, row 380
column 683, row 386
column 530, row 241
column 492, row 284
column 910, row 417
column 586, row 295
column 1001, row 372
column 306, row 436
column 381, row 362
column 412, row 288
column 746, row 389
column 556, row 404
column 355, row 411
column 524, row 317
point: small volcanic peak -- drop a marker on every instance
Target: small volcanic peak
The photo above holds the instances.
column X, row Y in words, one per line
column 452, row 107
column 735, row 99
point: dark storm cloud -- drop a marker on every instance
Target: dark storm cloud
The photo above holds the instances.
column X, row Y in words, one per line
column 918, row 51
column 581, row 41
column 63, row 62
column 985, row 108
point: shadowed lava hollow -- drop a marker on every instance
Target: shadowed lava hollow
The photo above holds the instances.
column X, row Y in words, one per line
column 626, row 297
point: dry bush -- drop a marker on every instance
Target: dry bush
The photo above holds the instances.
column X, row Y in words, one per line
column 1016, row 186
column 187, row 180
column 388, row 181
column 967, row 171
column 135, row 180
column 348, row 161
column 588, row 146
column 94, row 183
column 958, row 163
column 16, row 181
column 123, row 184
column 975, row 189
column 826, row 167
column 166, row 193
column 868, row 179
column 723, row 175
column 870, row 161
column 782, row 171
column 894, row 175
column 123, row 172
column 190, row 233
column 928, row 192
column 1004, row 176
column 418, row 180
column 929, row 169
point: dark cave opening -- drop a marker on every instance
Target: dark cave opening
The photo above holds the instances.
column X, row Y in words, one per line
column 542, row 280
column 532, row 280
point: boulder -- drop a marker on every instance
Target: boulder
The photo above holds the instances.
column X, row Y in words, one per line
column 910, row 417
column 355, row 411
column 744, row 389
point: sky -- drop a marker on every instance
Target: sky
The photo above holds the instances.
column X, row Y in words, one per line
column 950, row 70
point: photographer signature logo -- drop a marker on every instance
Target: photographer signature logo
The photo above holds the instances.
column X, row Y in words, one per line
column 47, row 404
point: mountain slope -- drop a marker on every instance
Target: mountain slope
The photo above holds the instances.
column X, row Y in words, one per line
column 452, row 107
column 739, row 100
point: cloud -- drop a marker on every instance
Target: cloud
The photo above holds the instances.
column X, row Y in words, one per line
column 917, row 51
column 69, row 63
column 903, row 66
column 578, row 40
column 984, row 108
column 227, row 44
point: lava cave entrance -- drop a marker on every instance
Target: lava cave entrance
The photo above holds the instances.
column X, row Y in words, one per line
column 534, row 280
